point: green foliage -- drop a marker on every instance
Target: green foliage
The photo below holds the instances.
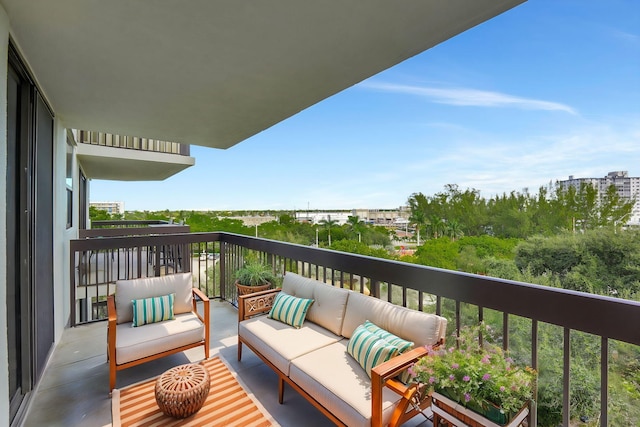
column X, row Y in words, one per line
column 517, row 215
column 441, row 253
column 96, row 214
column 474, row 374
column 255, row 273
column 600, row 261
column 356, row 247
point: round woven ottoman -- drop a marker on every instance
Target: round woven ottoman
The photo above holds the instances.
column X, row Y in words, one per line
column 181, row 391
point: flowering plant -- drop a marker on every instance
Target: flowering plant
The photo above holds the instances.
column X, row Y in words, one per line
column 476, row 375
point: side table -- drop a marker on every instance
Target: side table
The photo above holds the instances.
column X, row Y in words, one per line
column 182, row 390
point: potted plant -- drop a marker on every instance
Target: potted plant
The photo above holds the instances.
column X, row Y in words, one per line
column 482, row 378
column 254, row 276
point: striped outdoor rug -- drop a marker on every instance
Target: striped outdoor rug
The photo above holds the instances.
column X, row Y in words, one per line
column 228, row 404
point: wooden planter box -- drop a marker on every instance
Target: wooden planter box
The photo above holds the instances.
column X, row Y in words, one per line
column 246, row 290
column 450, row 413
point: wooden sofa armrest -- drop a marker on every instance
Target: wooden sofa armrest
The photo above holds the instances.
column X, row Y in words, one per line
column 384, row 375
column 256, row 303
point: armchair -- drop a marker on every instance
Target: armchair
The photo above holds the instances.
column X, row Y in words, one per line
column 130, row 346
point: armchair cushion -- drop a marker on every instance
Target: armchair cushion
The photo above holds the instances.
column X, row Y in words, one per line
column 152, row 310
column 132, row 345
column 129, row 290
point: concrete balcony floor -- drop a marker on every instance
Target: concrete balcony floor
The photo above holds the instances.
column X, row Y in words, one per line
column 74, row 388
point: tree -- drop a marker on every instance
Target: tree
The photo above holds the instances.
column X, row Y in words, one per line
column 328, row 223
column 454, row 230
column 436, row 225
column 418, row 206
column 96, row 214
column 613, row 210
column 355, row 226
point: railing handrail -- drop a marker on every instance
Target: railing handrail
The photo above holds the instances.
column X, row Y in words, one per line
column 127, row 222
column 133, row 231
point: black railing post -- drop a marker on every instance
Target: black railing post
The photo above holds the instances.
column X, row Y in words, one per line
column 223, row 270
column 375, row 288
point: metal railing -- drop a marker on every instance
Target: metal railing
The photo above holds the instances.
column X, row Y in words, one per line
column 462, row 298
column 132, row 143
column 119, row 228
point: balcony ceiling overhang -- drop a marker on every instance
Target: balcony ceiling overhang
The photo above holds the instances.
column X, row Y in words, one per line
column 213, row 73
column 119, row 164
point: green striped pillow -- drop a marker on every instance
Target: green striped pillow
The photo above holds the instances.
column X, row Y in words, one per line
column 403, row 345
column 290, row 310
column 369, row 349
column 151, row 310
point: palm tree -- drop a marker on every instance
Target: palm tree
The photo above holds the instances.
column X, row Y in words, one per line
column 437, row 225
column 328, row 223
column 418, row 204
column 355, row 226
column 454, row 229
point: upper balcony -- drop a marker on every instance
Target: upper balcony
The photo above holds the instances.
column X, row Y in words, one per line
column 126, row 158
column 532, row 319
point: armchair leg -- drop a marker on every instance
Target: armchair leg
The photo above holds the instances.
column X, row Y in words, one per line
column 112, row 376
column 239, row 350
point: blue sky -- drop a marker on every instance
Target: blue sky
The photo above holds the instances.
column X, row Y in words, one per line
column 544, row 91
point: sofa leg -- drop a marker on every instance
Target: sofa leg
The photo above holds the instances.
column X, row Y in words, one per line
column 239, row 351
column 280, row 390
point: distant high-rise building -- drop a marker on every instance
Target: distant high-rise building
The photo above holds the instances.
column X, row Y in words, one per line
column 628, row 188
column 111, row 207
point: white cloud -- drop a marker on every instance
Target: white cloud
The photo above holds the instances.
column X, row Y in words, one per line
column 495, row 164
column 472, row 97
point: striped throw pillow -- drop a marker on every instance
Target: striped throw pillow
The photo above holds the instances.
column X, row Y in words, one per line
column 369, row 349
column 290, row 310
column 403, row 345
column 151, row 310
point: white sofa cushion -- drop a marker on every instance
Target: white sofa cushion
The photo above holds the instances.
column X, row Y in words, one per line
column 329, row 304
column 339, row 383
column 135, row 343
column 280, row 343
column 128, row 290
column 419, row 327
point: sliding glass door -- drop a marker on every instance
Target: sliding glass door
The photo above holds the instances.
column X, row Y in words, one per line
column 29, row 212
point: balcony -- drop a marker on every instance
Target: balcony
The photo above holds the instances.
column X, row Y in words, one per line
column 126, row 158
column 81, row 369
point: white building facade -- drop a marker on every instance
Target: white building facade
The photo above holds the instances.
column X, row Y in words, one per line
column 628, row 188
column 111, row 207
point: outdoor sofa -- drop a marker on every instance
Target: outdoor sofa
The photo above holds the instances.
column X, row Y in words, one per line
column 314, row 359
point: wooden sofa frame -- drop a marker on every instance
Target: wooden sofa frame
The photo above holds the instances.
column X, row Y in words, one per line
column 383, row 375
column 111, row 337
